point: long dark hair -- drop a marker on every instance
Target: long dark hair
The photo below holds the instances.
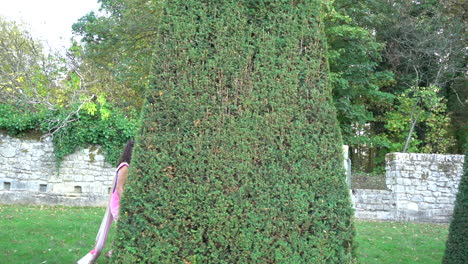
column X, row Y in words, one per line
column 127, row 153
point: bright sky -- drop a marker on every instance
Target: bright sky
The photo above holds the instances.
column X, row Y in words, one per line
column 48, row 20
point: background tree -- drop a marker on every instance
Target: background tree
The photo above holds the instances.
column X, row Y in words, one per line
column 116, row 49
column 27, row 72
column 239, row 158
column 354, row 56
column 377, row 51
column 35, row 80
column 418, row 106
column 424, row 49
column 422, row 46
column 456, row 92
column 55, row 95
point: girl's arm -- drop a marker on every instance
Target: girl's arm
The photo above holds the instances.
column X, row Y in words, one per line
column 121, row 180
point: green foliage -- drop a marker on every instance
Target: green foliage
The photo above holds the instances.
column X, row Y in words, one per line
column 378, row 50
column 427, row 110
column 27, row 72
column 239, row 157
column 107, row 127
column 425, row 47
column 33, row 101
column 359, row 84
column 457, row 106
column 456, row 251
column 116, row 50
column 16, row 120
column 354, row 54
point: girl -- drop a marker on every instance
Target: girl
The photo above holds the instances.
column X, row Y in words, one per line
column 112, row 212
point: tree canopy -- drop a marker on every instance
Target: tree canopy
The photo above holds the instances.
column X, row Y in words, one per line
column 378, row 52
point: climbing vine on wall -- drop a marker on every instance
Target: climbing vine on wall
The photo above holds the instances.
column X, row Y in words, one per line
column 96, row 124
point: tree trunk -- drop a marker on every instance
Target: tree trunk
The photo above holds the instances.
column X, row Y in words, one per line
column 414, row 120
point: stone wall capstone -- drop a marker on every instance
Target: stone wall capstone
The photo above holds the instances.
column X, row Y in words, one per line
column 29, row 174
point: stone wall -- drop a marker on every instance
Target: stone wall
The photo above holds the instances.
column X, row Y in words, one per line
column 421, row 187
column 29, row 174
column 373, row 204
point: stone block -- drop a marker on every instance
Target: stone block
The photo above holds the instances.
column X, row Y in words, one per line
column 389, row 182
column 416, row 182
column 377, row 207
column 421, row 188
column 444, row 179
column 412, row 206
column 401, row 196
column 443, row 200
column 101, row 179
column 442, row 213
column 432, row 187
column 426, row 206
column 399, row 188
column 417, row 198
column 23, row 186
column 407, row 182
column 429, row 199
column 410, row 189
column 446, row 191
column 357, row 205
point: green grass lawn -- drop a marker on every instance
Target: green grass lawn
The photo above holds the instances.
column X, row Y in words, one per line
column 44, row 234
column 400, row 242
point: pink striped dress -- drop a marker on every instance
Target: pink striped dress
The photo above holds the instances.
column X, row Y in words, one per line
column 112, row 214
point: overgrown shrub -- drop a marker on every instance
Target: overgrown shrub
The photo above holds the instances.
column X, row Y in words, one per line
column 84, row 129
column 15, row 120
column 239, row 157
column 456, row 251
column 110, row 133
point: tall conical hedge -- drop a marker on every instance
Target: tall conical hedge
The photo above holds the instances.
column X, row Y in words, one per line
column 456, row 251
column 239, row 157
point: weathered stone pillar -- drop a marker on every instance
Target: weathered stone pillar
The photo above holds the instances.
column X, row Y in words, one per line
column 424, row 186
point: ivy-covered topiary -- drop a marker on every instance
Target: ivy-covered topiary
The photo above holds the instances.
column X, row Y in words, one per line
column 239, row 157
column 456, row 251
